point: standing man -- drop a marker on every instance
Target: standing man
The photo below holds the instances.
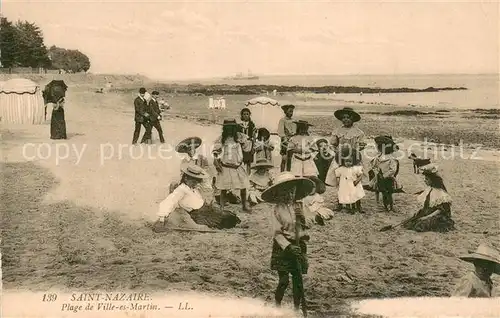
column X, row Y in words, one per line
column 141, row 118
column 154, row 110
column 286, row 129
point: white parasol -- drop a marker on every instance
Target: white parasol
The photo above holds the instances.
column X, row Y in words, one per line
column 266, row 112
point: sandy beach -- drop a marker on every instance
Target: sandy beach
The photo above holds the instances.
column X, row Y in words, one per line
column 91, row 195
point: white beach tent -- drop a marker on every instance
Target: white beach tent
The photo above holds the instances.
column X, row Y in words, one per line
column 21, row 102
column 266, row 112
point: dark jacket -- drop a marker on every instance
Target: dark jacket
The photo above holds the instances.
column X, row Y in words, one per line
column 141, row 109
column 154, row 109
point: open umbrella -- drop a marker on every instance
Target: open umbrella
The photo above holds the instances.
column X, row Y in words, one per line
column 266, row 113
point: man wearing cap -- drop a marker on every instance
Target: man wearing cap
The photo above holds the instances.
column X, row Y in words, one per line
column 154, row 110
column 141, row 118
column 486, row 262
column 286, row 129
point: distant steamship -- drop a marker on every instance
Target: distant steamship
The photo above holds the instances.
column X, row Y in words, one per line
column 240, row 76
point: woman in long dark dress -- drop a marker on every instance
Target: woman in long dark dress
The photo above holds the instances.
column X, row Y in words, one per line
column 57, row 121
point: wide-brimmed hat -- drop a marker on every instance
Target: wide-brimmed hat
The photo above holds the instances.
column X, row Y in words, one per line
column 302, row 123
column 429, row 169
column 347, row 110
column 262, row 163
column 187, row 143
column 484, row 253
column 320, row 185
column 285, row 107
column 283, row 182
column 194, row 171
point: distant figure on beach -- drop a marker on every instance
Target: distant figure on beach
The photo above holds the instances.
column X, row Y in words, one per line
column 478, row 283
column 57, row 121
column 154, row 110
column 141, row 118
column 286, row 129
column 435, row 205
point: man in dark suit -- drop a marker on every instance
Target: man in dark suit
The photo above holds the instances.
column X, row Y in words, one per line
column 154, row 110
column 142, row 118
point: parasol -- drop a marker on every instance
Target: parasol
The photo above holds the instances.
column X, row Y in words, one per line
column 266, row 113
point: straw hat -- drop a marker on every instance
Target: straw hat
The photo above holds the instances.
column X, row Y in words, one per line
column 302, row 123
column 263, row 162
column 283, row 182
column 194, row 171
column 429, row 169
column 285, row 107
column 347, row 110
column 187, row 143
column 484, row 253
column 320, row 185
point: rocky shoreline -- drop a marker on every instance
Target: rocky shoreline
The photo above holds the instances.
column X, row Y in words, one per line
column 226, row 89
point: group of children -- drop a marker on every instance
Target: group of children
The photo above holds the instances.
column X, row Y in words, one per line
column 244, row 168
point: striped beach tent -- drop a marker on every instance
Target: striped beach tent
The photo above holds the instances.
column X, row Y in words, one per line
column 266, row 112
column 21, row 102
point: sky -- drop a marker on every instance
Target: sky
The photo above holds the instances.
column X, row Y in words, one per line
column 202, row 39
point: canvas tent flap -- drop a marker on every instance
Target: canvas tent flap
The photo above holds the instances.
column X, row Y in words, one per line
column 19, row 86
column 262, row 100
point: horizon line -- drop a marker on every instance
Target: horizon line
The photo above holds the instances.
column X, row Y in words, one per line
column 317, row 74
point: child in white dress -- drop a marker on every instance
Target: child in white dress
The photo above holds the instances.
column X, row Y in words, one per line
column 349, row 175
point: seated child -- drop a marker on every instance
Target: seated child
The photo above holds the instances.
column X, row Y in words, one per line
column 260, row 179
column 314, row 210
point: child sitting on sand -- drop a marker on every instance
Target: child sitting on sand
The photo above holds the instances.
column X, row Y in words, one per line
column 349, row 175
column 263, row 148
column 190, row 147
column 260, row 179
column 313, row 205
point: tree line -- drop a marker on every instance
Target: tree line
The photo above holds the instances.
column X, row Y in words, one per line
column 22, row 45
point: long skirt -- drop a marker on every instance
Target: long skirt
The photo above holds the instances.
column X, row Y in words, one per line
column 215, row 218
column 283, row 261
column 232, row 179
column 303, row 168
column 181, row 218
column 440, row 223
column 58, row 124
